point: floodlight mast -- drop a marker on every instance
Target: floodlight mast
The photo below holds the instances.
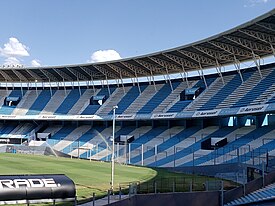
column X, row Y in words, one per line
column 113, row 148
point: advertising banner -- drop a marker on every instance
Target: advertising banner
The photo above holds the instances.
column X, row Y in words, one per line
column 35, row 187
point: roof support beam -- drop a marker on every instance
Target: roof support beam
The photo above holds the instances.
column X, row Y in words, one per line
column 63, row 75
column 198, row 58
column 166, row 66
column 34, row 75
column 48, row 75
column 121, row 79
column 137, row 82
column 134, row 68
column 51, row 92
column 256, row 60
column 106, row 72
column 6, row 86
column 181, row 61
column 185, row 78
column 65, row 91
column 76, row 73
column 169, row 79
column 273, row 50
column 214, row 54
column 16, row 74
column 269, row 39
column 151, row 68
column 19, row 75
column 107, row 82
column 35, row 82
column 89, row 72
column 232, row 49
column 79, row 89
column 119, row 71
column 6, row 77
column 268, row 26
column 252, row 46
column 202, row 75
column 218, row 68
column 21, row 87
column 237, row 65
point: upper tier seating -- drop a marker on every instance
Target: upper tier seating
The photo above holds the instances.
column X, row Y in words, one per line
column 147, row 99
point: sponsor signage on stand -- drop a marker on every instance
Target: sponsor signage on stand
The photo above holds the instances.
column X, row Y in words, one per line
column 252, row 109
column 207, row 113
column 164, row 116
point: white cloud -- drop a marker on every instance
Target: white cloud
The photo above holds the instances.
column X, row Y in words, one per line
column 14, row 48
column 252, row 3
column 12, row 61
column 104, row 55
column 35, row 63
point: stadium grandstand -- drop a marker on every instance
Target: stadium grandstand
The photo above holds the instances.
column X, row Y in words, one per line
column 208, row 103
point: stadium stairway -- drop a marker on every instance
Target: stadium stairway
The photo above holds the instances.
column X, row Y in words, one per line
column 7, row 110
column 164, row 144
column 52, row 129
column 264, row 194
column 81, row 141
column 158, row 98
column 144, row 135
column 3, row 94
column 69, row 101
column 258, row 149
column 62, row 133
column 213, row 86
column 128, row 98
column 220, row 156
column 169, row 100
column 140, row 134
column 54, row 102
column 94, row 109
column 152, row 143
column 240, row 91
column 22, row 129
column 143, row 98
column 105, row 154
column 6, row 129
column 225, row 90
column 26, row 102
column 193, row 148
column 189, row 138
column 257, row 91
column 40, row 102
column 113, row 100
column 176, row 105
column 85, row 141
column 71, row 136
column 83, row 101
column 231, row 147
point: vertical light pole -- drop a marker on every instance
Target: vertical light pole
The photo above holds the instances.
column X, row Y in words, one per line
column 113, row 148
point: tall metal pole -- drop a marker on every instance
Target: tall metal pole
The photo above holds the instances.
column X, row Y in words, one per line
column 113, row 148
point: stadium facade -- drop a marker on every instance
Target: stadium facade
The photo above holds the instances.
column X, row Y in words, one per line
column 166, row 115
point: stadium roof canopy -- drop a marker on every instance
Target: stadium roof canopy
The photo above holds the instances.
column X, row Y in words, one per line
column 250, row 41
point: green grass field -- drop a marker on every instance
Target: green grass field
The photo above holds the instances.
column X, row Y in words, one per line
column 88, row 176
column 94, row 177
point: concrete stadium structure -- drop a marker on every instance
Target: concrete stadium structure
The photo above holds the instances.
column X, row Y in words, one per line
column 171, row 112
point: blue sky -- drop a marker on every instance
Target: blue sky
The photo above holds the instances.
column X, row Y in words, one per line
column 59, row 32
